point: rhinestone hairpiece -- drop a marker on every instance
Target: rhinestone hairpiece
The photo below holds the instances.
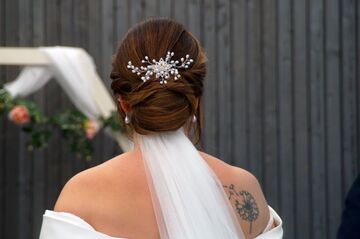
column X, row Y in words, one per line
column 162, row 69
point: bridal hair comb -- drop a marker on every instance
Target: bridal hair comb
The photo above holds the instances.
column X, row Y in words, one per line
column 162, row 69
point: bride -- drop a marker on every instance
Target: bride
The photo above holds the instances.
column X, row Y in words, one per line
column 164, row 187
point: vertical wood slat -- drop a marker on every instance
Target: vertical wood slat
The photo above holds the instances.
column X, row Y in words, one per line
column 107, row 52
column 164, row 8
column 239, row 89
column 301, row 121
column 333, row 124
column 180, row 12
column 80, row 25
column 150, row 8
column 271, row 125
column 317, row 105
column 25, row 159
column 136, row 12
column 95, row 51
column 67, row 37
column 223, row 78
column 12, row 135
column 350, row 92
column 286, row 129
column 254, row 89
column 53, row 152
column 210, row 137
column 2, row 128
column 38, row 197
column 194, row 11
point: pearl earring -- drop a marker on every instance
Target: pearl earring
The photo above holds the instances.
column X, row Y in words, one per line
column 127, row 119
column 194, row 119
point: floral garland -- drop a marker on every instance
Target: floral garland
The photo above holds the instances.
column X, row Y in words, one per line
column 74, row 126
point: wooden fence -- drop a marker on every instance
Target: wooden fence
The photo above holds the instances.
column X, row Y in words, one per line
column 281, row 99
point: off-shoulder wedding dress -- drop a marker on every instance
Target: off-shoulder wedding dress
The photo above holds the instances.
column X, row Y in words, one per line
column 175, row 171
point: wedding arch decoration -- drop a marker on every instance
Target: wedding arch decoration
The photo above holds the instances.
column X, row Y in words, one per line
column 74, row 70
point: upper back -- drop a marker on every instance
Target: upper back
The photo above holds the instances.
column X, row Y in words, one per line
column 115, row 199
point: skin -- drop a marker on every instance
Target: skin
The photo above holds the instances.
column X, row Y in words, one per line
column 114, row 197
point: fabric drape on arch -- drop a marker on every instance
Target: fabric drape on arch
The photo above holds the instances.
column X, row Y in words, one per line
column 75, row 71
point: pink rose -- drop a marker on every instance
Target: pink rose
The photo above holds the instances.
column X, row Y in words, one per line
column 91, row 128
column 19, row 114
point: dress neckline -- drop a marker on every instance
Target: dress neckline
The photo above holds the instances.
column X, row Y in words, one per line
column 78, row 221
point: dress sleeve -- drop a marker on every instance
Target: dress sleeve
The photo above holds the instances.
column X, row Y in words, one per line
column 60, row 225
column 272, row 233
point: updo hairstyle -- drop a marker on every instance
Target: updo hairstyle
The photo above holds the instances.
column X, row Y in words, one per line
column 156, row 107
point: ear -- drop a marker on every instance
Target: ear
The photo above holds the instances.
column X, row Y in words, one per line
column 197, row 102
column 124, row 105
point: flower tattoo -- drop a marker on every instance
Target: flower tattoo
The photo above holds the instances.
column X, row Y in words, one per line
column 245, row 204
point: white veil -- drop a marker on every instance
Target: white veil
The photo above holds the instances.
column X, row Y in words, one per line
column 188, row 199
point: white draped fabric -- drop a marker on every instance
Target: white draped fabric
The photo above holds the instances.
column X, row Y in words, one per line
column 188, row 198
column 60, row 225
column 75, row 71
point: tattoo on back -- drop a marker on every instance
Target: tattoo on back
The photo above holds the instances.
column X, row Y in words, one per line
column 245, row 204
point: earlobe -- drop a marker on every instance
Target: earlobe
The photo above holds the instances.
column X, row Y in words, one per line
column 124, row 105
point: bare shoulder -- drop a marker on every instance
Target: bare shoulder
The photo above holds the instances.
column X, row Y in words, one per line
column 245, row 194
column 88, row 184
column 76, row 189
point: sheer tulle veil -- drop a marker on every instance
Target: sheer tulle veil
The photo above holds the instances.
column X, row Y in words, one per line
column 188, row 199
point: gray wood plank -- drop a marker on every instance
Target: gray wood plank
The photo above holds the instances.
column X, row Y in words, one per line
column 350, row 94
column 302, row 121
column 180, row 11
column 38, row 165
column 286, row 116
column 81, row 17
column 210, row 136
column 121, row 20
column 164, row 8
column 136, row 11
column 2, row 126
column 25, row 159
column 67, row 38
column 194, row 21
column 333, row 121
column 108, row 144
column 12, row 134
column 95, row 50
column 239, row 89
column 53, row 153
column 223, row 78
column 270, row 100
column 150, row 8
column 254, row 88
column 2, row 157
column 317, row 94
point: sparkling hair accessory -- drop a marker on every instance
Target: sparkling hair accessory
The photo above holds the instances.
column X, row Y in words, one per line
column 162, row 69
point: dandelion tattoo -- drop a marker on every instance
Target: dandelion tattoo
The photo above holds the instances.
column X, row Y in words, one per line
column 245, row 204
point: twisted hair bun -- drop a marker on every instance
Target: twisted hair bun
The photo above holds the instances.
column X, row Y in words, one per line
column 156, row 107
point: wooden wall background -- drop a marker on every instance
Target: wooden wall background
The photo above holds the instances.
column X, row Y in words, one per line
column 281, row 99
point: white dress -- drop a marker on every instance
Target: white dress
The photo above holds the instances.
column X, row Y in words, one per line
column 63, row 225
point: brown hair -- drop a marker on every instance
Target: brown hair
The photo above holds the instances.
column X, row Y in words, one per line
column 156, row 107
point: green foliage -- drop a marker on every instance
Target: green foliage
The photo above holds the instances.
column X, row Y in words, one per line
column 71, row 123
